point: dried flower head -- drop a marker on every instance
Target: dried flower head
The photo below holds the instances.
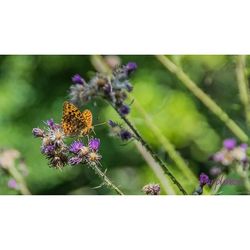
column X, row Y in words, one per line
column 152, row 189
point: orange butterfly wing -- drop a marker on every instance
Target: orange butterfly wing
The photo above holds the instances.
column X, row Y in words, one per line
column 75, row 122
column 88, row 119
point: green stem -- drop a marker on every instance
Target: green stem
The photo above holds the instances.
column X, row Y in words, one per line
column 106, row 180
column 244, row 176
column 243, row 85
column 19, row 179
column 150, row 150
column 203, row 97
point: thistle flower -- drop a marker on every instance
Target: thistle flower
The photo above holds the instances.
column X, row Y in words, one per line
column 152, row 189
column 229, row 144
column 75, row 147
column 37, row 132
column 94, row 144
column 53, row 146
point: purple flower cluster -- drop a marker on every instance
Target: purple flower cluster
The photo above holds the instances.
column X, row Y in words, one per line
column 53, row 146
column 118, row 130
column 113, row 89
column 152, row 189
column 231, row 152
column 59, row 154
column 85, row 154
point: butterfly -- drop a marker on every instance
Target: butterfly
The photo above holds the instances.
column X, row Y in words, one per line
column 75, row 122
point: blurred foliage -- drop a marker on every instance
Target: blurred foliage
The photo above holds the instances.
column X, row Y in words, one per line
column 33, row 89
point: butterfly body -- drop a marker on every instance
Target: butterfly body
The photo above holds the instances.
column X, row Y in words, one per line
column 75, row 122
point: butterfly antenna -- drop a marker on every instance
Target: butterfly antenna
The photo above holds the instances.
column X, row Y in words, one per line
column 100, row 124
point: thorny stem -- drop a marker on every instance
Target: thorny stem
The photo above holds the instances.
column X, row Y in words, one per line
column 203, row 97
column 150, row 150
column 243, row 85
column 19, row 179
column 106, row 180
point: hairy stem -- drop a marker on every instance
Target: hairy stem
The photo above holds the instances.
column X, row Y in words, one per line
column 106, row 180
column 203, row 97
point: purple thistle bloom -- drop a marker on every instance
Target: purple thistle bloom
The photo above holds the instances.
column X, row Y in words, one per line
column 229, row 144
column 125, row 135
column 131, row 67
column 37, row 132
column 77, row 79
column 94, row 144
column 48, row 150
column 75, row 160
column 75, row 147
column 204, row 179
column 124, row 109
column 52, row 124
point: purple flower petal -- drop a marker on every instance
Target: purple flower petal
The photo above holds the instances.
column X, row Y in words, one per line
column 75, row 147
column 94, row 144
column 77, row 79
column 75, row 160
column 131, row 67
column 48, row 150
column 229, row 143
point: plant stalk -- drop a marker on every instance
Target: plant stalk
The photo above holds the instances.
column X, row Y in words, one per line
column 106, row 180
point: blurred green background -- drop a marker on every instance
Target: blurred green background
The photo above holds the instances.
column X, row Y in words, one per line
column 33, row 89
